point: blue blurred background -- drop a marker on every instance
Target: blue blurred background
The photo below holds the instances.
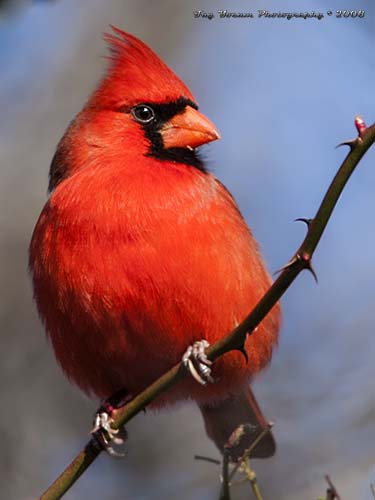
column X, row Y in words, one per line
column 283, row 94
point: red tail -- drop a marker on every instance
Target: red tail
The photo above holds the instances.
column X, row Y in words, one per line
column 223, row 418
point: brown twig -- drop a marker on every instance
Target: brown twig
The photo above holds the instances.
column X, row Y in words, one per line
column 331, row 491
column 208, row 459
column 225, row 486
column 247, row 453
column 234, row 340
column 252, row 478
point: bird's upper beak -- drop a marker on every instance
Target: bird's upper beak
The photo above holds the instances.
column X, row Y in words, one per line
column 188, row 130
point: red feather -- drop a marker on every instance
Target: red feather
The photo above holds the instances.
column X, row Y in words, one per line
column 134, row 71
column 134, row 258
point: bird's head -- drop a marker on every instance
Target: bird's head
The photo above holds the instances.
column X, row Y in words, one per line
column 140, row 107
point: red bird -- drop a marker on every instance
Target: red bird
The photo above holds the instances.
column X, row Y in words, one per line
column 140, row 252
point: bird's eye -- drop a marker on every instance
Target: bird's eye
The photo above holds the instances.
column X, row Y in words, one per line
column 143, row 113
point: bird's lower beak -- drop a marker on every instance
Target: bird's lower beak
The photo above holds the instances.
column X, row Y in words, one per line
column 188, row 130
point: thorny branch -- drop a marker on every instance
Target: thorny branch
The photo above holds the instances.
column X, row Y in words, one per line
column 331, row 493
column 243, row 465
column 235, row 339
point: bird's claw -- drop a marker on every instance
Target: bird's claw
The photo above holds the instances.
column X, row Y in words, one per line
column 105, row 434
column 196, row 361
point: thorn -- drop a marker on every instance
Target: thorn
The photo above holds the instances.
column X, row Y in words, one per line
column 310, row 268
column 351, row 143
column 244, row 353
column 360, row 125
column 302, row 219
column 312, row 271
column 287, row 265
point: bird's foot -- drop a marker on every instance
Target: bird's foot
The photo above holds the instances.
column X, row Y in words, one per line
column 197, row 363
column 106, row 436
column 103, row 432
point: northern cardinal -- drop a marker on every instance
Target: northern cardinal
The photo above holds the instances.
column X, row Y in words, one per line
column 140, row 252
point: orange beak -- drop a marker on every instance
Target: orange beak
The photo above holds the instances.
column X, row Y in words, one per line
column 188, row 130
